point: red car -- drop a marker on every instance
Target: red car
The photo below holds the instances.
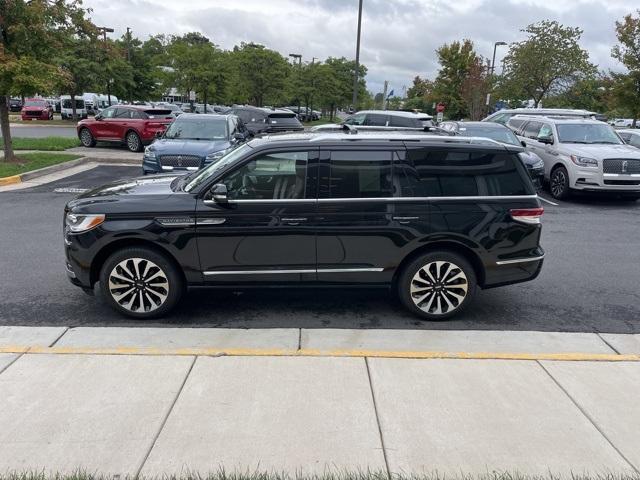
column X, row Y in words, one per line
column 36, row 109
column 132, row 125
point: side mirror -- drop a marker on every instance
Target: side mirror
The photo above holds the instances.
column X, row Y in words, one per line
column 523, row 143
column 548, row 139
column 219, row 193
column 238, row 136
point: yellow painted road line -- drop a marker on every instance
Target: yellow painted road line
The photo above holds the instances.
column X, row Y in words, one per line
column 10, row 180
column 253, row 352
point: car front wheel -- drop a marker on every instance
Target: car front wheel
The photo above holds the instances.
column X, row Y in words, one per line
column 437, row 285
column 559, row 183
column 87, row 138
column 133, row 142
column 141, row 283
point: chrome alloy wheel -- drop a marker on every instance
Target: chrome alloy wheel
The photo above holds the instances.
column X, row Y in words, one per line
column 439, row 287
column 138, row 285
column 85, row 137
column 133, row 142
column 558, row 183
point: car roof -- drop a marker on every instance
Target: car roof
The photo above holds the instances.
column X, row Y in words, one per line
column 396, row 113
column 545, row 111
column 261, row 109
column 485, row 125
column 210, row 116
column 552, row 119
column 375, row 138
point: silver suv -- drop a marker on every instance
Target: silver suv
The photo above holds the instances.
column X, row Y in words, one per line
column 380, row 120
column 503, row 116
column 580, row 154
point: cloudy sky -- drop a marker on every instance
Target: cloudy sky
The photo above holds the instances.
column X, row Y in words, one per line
column 398, row 36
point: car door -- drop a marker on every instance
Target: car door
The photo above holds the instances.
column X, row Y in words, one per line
column 120, row 122
column 265, row 231
column 101, row 124
column 355, row 215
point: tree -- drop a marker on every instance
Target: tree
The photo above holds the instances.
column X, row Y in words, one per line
column 627, row 89
column 456, row 60
column 549, row 61
column 31, row 35
column 474, row 89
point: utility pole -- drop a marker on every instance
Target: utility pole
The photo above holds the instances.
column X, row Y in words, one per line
column 298, row 56
column 355, row 76
column 493, row 67
column 384, row 95
column 104, row 31
column 129, row 59
column 313, row 84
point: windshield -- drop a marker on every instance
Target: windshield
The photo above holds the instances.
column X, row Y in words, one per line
column 35, row 103
column 502, row 135
column 589, row 133
column 195, row 179
column 197, row 129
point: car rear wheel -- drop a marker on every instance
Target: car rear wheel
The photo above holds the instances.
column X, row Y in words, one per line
column 87, row 138
column 133, row 142
column 438, row 285
column 140, row 283
column 559, row 183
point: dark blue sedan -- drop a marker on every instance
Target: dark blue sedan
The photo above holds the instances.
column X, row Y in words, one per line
column 193, row 141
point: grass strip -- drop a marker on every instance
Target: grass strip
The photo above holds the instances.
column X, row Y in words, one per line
column 33, row 161
column 56, row 144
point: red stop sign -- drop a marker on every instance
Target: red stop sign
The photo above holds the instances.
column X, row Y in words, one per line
column 440, row 107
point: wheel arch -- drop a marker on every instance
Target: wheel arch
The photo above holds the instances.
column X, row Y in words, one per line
column 447, row 245
column 106, row 251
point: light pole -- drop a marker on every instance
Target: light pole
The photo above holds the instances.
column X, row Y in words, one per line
column 493, row 66
column 355, row 76
column 299, row 58
column 104, row 31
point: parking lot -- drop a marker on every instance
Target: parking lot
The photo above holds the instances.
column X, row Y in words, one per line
column 588, row 283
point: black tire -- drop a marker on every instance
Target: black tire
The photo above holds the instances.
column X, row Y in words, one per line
column 559, row 183
column 631, row 197
column 139, row 272
column 435, row 303
column 133, row 141
column 86, row 138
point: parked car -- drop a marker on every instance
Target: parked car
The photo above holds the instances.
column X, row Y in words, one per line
column 433, row 217
column 15, row 105
column 622, row 123
column 194, row 141
column 502, row 134
column 581, row 154
column 267, row 120
column 66, row 107
column 175, row 109
column 134, row 126
column 382, row 120
column 36, row 109
column 630, row 137
column 304, row 114
column 503, row 116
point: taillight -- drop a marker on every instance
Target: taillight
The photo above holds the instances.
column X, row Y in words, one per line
column 527, row 215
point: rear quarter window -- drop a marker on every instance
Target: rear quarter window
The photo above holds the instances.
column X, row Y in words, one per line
column 442, row 173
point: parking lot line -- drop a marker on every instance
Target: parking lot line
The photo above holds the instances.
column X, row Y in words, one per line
column 251, row 352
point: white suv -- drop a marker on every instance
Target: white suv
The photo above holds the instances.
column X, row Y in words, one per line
column 580, row 154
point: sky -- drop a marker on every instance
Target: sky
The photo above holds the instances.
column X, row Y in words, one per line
column 399, row 37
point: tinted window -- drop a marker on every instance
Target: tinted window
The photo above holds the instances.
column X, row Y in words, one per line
column 635, row 141
column 108, row 112
column 272, row 176
column 625, row 136
column 244, row 115
column 158, row 112
column 494, row 132
column 532, row 129
column 357, row 119
column 515, row 124
column 360, row 174
column 375, row 120
column 397, row 121
column 437, row 173
column 122, row 113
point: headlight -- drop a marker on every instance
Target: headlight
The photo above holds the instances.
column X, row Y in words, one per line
column 584, row 161
column 212, row 157
column 538, row 164
column 83, row 223
column 149, row 154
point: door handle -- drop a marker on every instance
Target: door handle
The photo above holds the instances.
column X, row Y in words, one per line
column 405, row 220
column 293, row 221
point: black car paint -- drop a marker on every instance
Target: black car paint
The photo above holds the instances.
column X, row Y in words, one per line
column 345, row 234
column 264, row 120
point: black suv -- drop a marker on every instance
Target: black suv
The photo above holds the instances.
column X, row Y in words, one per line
column 267, row 120
column 433, row 217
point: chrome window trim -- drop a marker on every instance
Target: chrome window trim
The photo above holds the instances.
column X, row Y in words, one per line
column 386, row 199
column 519, row 260
column 302, row 270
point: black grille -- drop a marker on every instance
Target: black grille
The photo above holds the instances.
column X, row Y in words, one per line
column 33, row 113
column 621, row 166
column 180, row 161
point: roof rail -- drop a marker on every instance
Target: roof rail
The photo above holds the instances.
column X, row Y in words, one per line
column 364, row 136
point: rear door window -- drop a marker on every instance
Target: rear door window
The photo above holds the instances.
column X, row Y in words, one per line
column 457, row 173
column 376, row 120
column 398, row 121
column 532, row 129
column 122, row 113
column 360, row 174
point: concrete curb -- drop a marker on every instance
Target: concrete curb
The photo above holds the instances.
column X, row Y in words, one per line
column 26, row 176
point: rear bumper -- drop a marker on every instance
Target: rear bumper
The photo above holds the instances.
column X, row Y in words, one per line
column 507, row 271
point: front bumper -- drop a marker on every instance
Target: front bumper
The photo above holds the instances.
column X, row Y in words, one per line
column 592, row 180
column 537, row 177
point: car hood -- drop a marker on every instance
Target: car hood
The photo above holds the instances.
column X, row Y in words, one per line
column 601, row 151
column 200, row 148
column 34, row 109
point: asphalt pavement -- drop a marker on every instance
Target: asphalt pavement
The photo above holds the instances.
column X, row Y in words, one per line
column 40, row 131
column 589, row 282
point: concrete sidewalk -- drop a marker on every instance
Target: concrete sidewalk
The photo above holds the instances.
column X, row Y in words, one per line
column 163, row 410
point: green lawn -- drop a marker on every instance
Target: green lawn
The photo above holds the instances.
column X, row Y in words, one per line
column 322, row 121
column 33, row 161
column 44, row 143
